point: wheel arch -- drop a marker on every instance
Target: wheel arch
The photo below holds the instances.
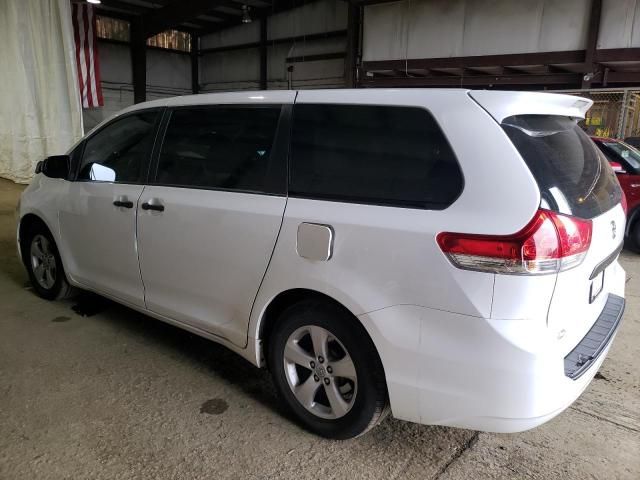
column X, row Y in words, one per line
column 26, row 222
column 632, row 219
column 33, row 218
column 286, row 298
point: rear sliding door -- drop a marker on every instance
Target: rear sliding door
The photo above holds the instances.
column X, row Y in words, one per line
column 208, row 223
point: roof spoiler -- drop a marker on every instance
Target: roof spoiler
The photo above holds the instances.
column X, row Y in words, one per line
column 501, row 105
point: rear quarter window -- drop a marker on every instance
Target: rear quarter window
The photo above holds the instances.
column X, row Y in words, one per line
column 380, row 155
column 573, row 175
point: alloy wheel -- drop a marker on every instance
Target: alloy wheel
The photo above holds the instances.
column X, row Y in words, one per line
column 320, row 372
column 43, row 261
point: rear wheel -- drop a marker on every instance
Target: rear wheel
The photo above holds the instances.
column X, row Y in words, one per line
column 44, row 266
column 633, row 240
column 327, row 371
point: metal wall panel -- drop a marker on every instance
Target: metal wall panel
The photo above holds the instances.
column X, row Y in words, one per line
column 235, row 70
column 167, row 69
column 311, row 18
column 457, row 28
column 620, row 24
column 245, row 33
column 240, row 69
column 115, row 63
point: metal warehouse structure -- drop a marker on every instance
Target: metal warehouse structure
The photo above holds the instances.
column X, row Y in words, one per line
column 575, row 45
column 418, row 43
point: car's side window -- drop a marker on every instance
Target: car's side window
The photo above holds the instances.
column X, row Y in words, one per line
column 76, row 158
column 383, row 155
column 120, row 151
column 221, row 147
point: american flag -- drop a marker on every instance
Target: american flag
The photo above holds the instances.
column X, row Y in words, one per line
column 84, row 31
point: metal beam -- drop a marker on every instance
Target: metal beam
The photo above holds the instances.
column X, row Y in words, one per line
column 130, row 8
column 370, row 2
column 623, row 77
column 567, row 68
column 354, row 13
column 114, row 14
column 149, row 47
column 263, row 54
column 139, row 61
column 592, row 41
column 229, row 4
column 277, row 41
column 473, row 81
column 198, row 23
column 315, row 58
column 176, row 13
column 257, row 12
column 224, row 16
column 617, row 55
column 509, row 60
column 195, row 65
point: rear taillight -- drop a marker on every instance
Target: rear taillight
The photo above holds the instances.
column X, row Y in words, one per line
column 551, row 242
column 623, row 201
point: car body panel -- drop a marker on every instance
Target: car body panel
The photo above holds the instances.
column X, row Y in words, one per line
column 100, row 239
column 572, row 312
column 203, row 258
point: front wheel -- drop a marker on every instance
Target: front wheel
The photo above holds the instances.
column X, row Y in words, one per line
column 43, row 263
column 327, row 371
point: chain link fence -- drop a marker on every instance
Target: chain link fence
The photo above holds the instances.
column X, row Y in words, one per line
column 615, row 112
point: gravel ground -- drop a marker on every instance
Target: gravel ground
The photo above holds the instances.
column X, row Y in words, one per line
column 119, row 395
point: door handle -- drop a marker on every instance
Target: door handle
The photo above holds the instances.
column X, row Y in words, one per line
column 123, row 202
column 153, row 206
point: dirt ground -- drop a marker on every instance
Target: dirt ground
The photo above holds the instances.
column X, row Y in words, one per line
column 120, row 395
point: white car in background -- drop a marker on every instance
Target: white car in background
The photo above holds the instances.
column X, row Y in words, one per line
column 448, row 254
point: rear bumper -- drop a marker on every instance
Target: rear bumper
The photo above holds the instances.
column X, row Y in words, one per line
column 484, row 374
column 596, row 340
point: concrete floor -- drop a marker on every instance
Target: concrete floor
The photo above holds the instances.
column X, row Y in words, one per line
column 120, row 395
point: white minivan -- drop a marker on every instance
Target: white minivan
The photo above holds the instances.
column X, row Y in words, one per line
column 450, row 256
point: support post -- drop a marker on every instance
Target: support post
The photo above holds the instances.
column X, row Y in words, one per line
column 353, row 37
column 138, row 61
column 263, row 53
column 622, row 119
column 590, row 67
column 195, row 64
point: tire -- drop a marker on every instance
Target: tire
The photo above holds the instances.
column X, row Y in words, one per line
column 44, row 266
column 327, row 371
column 633, row 240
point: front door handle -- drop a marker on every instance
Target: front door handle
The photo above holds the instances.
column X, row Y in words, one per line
column 123, row 202
column 153, row 206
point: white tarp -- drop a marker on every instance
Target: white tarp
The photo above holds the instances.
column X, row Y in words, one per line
column 40, row 110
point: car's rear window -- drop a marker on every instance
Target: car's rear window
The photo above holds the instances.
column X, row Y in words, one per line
column 573, row 175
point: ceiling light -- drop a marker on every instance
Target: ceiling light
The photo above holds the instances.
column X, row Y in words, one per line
column 246, row 18
column 94, row 1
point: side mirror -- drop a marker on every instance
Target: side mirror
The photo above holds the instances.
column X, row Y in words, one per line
column 101, row 173
column 617, row 167
column 56, row 166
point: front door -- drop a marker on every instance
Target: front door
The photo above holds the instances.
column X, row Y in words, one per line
column 98, row 216
column 208, row 226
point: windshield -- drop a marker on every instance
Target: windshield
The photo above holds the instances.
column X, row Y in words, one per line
column 627, row 152
column 573, row 175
